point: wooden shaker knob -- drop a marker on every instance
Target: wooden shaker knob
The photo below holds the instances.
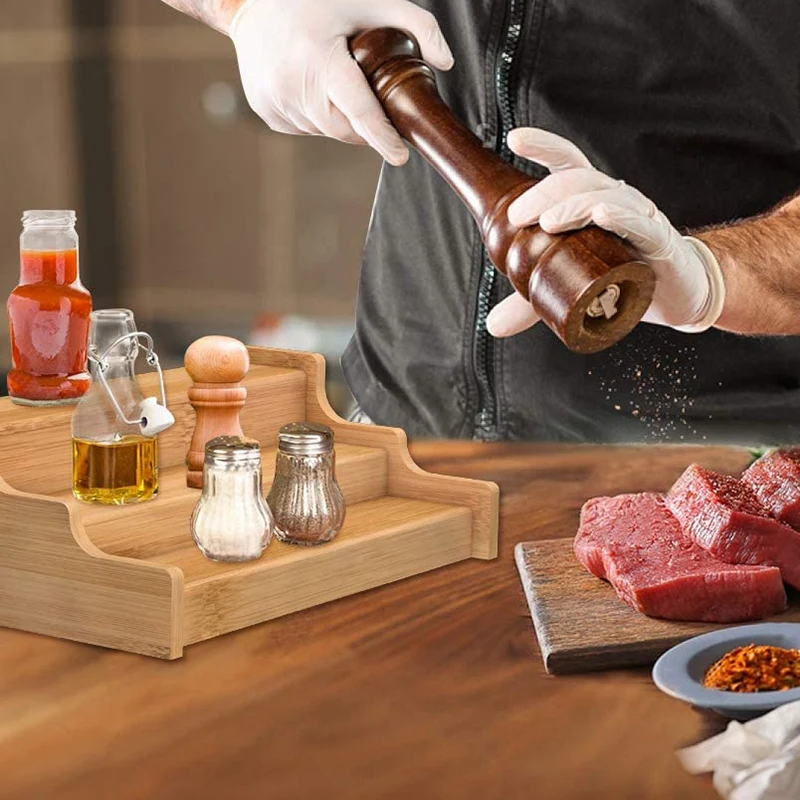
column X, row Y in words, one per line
column 217, row 359
column 217, row 365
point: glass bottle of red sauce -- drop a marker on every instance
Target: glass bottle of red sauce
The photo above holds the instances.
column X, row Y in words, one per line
column 48, row 314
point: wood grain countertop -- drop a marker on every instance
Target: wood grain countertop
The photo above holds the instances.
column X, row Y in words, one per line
column 428, row 688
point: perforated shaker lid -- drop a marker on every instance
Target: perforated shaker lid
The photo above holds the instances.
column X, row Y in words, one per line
column 305, row 439
column 233, row 449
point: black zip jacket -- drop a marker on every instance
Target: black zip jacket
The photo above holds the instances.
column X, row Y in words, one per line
column 694, row 102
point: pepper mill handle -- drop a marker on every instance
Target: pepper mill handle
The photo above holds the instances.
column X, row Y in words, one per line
column 588, row 286
column 217, row 365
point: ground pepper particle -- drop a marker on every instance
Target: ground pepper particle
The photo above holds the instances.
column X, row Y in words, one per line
column 755, row 668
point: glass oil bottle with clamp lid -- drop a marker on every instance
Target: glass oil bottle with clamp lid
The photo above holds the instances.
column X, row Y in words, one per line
column 114, row 428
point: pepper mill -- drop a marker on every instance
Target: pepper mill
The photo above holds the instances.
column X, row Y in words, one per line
column 588, row 286
column 217, row 365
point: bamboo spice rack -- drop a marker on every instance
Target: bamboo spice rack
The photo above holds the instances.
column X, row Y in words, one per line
column 131, row 578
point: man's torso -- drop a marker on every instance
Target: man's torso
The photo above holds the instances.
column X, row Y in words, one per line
column 695, row 104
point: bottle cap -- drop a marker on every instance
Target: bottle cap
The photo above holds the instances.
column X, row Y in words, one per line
column 232, row 450
column 47, row 218
column 305, row 439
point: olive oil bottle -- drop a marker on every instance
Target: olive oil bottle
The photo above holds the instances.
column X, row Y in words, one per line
column 114, row 428
column 116, row 473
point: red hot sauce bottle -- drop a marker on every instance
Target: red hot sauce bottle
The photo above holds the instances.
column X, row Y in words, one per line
column 48, row 314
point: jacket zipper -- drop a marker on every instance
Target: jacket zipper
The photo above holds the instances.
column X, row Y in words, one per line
column 486, row 419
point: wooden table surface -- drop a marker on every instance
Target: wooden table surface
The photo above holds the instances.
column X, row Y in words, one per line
column 428, row 688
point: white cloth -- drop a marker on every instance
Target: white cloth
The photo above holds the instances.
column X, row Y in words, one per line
column 755, row 760
column 690, row 290
column 298, row 74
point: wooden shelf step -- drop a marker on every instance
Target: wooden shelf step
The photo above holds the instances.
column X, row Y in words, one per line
column 361, row 472
column 382, row 541
column 36, row 444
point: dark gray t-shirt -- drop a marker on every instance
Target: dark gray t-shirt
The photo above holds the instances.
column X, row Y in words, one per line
column 697, row 104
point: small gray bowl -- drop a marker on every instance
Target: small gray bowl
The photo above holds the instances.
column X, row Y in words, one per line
column 679, row 672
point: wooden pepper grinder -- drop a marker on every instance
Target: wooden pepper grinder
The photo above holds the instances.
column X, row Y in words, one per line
column 588, row 286
column 217, row 365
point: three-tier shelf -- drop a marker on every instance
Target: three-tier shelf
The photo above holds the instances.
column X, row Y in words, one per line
column 131, row 577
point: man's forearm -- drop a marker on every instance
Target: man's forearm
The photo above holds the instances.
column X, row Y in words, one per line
column 760, row 258
column 216, row 13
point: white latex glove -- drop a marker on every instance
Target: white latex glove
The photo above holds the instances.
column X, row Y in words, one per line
column 298, row 74
column 690, row 291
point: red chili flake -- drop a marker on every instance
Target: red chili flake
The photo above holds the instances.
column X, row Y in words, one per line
column 755, row 668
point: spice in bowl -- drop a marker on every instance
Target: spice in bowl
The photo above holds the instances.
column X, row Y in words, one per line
column 755, row 668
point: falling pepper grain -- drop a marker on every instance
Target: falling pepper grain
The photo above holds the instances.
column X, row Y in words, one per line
column 655, row 388
column 755, row 668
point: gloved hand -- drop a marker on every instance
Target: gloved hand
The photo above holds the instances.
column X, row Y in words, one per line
column 690, row 291
column 299, row 76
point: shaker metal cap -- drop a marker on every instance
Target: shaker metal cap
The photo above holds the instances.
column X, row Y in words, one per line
column 233, row 449
column 305, row 439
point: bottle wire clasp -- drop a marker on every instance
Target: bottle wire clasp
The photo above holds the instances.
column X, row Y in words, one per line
column 155, row 417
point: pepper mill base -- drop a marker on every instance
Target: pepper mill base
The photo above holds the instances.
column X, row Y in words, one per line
column 589, row 303
column 194, row 478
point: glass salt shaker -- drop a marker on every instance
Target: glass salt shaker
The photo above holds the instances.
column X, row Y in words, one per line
column 231, row 521
column 305, row 498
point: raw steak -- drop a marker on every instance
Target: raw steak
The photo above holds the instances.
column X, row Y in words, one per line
column 635, row 543
column 724, row 516
column 775, row 478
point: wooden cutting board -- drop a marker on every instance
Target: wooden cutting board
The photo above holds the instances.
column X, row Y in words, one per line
column 582, row 625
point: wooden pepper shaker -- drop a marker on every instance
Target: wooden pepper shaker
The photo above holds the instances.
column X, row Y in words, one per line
column 589, row 286
column 217, row 365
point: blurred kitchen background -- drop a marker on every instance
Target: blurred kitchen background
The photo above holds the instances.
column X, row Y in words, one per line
column 190, row 210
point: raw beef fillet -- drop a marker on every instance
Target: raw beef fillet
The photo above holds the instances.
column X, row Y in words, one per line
column 775, row 478
column 634, row 542
column 724, row 516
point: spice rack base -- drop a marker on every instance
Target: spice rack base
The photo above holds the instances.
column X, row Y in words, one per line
column 131, row 577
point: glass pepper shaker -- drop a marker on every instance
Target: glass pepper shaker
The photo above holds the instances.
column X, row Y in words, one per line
column 231, row 521
column 305, row 498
